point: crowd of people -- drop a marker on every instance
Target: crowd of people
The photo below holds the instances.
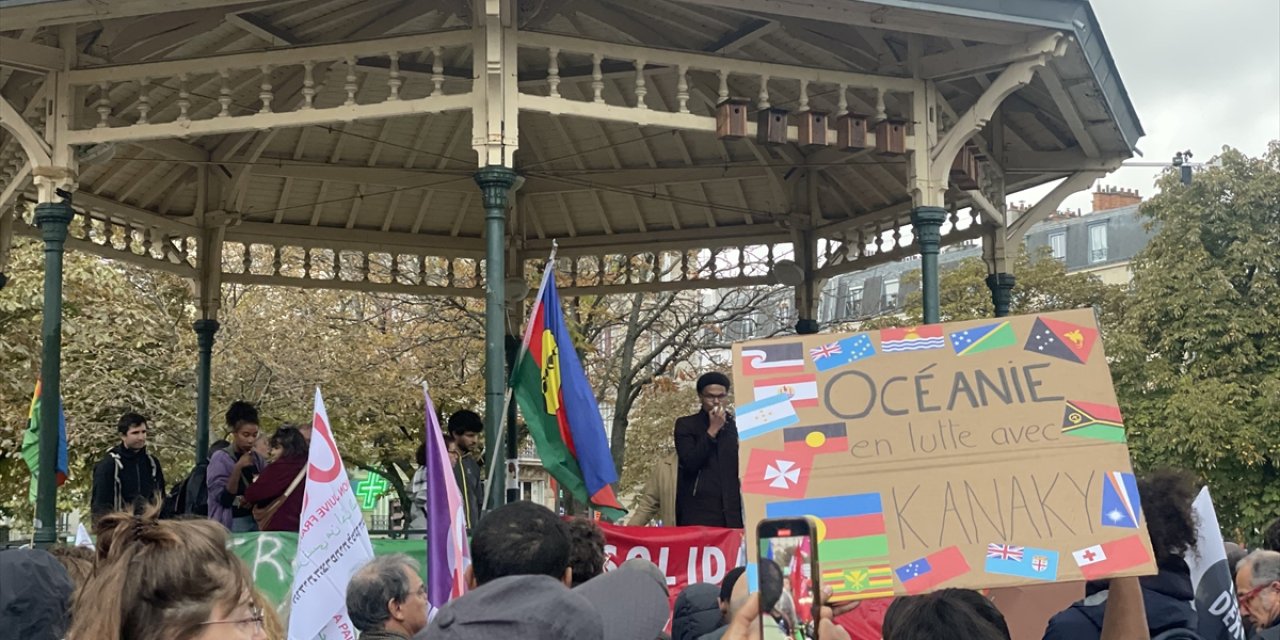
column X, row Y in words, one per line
column 533, row 573
column 536, row 575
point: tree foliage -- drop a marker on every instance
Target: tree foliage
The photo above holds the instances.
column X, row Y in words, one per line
column 126, row 346
column 1196, row 358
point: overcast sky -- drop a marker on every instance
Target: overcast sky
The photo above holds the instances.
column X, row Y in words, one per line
column 1201, row 75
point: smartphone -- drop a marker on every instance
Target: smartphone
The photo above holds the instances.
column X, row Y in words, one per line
column 788, row 553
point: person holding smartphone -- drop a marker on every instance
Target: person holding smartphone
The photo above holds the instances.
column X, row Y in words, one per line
column 708, row 491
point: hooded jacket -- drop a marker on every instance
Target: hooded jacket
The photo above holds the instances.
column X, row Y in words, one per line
column 125, row 477
column 708, row 491
column 1167, row 595
column 696, row 612
column 35, row 595
column 221, row 464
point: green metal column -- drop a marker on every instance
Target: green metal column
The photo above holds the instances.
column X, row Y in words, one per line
column 52, row 218
column 927, row 226
column 205, row 330
column 1001, row 286
column 495, row 185
column 513, row 445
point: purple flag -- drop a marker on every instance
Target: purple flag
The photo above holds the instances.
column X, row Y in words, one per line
column 447, row 551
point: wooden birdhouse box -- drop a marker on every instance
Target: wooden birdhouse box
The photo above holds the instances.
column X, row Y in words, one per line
column 731, row 119
column 812, row 128
column 965, row 170
column 891, row 138
column 851, row 132
column 771, row 126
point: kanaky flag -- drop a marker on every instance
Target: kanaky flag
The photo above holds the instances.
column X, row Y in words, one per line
column 31, row 443
column 777, row 473
column 1109, row 558
column 1062, row 340
column 560, row 408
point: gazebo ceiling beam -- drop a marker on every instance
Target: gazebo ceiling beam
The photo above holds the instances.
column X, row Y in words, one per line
column 274, row 57
column 965, row 62
column 340, row 239
column 43, row 14
column 870, row 15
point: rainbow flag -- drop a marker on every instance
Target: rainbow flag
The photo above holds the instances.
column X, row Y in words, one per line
column 448, row 553
column 31, row 443
column 560, row 408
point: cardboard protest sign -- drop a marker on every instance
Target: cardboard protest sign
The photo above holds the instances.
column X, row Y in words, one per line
column 984, row 453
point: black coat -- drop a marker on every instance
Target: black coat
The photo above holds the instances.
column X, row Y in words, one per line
column 1167, row 597
column 124, row 478
column 708, row 490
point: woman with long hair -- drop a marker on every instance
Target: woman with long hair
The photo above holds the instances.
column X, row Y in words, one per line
column 165, row 580
column 276, row 495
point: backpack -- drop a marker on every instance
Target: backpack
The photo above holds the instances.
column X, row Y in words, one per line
column 190, row 495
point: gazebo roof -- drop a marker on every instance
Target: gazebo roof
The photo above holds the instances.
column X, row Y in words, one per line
column 602, row 179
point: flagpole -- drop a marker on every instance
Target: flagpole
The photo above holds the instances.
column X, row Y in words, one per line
column 524, row 348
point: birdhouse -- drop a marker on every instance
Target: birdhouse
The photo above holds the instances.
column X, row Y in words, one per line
column 812, row 128
column 851, row 132
column 891, row 138
column 731, row 119
column 965, row 170
column 771, row 126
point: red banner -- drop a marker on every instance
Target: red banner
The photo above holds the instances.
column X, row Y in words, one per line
column 686, row 555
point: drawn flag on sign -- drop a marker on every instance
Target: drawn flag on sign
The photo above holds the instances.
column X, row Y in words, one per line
column 857, row 581
column 802, row 389
column 1120, row 504
column 1063, row 340
column 931, row 570
column 1109, row 558
column 765, row 416
column 768, row 359
column 984, row 338
column 849, row 527
column 1024, row 562
column 818, row 438
column 912, row 339
column 777, row 473
column 1089, row 420
column 842, row 352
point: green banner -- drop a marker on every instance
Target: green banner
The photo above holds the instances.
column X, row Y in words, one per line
column 270, row 558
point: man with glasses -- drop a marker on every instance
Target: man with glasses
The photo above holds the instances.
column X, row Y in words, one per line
column 708, row 491
column 387, row 600
column 1258, row 584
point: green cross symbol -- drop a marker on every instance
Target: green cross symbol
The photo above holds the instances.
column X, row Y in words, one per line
column 370, row 489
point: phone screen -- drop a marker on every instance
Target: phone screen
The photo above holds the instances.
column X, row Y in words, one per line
column 792, row 615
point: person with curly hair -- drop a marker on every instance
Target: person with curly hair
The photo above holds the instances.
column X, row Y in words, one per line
column 165, row 580
column 586, row 550
column 1168, row 596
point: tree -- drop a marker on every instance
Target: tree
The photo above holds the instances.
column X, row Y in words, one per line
column 1043, row 285
column 126, row 346
column 1196, row 359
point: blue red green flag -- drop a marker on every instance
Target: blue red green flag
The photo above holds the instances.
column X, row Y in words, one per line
column 560, row 408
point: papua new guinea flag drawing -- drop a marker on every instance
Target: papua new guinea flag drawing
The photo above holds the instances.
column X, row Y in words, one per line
column 1062, row 340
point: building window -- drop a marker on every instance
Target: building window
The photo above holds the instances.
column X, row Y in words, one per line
column 853, row 303
column 1097, row 242
column 889, row 299
column 1058, row 244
